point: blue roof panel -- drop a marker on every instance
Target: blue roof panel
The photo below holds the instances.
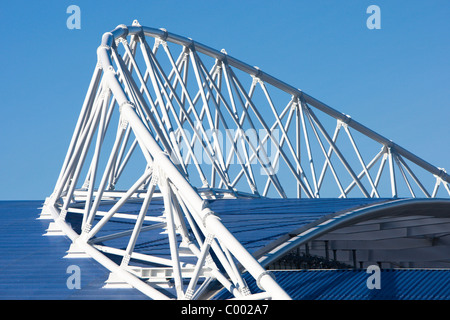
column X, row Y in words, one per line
column 258, row 222
column 396, row 284
column 32, row 266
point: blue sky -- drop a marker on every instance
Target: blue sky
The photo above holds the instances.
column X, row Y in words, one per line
column 394, row 80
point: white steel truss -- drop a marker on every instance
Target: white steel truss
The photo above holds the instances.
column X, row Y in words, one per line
column 173, row 123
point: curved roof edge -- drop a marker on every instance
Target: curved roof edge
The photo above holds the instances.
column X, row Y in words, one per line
column 398, row 207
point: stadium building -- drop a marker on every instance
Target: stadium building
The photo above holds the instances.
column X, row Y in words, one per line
column 192, row 175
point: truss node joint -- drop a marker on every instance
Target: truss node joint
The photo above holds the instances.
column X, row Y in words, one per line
column 122, row 40
column 344, row 121
column 129, row 103
column 206, row 214
column 124, row 28
column 189, row 294
column 257, row 76
column 223, row 58
column 390, row 145
column 245, row 289
column 442, row 173
column 191, row 45
column 163, row 38
column 262, row 274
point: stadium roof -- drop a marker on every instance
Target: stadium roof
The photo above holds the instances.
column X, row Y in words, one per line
column 206, row 137
column 396, row 284
column 32, row 266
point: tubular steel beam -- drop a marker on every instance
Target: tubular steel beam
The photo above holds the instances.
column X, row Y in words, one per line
column 289, row 89
column 155, row 120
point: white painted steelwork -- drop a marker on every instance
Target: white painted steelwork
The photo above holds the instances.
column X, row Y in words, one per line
column 198, row 134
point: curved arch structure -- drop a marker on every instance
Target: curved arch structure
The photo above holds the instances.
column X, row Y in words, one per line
column 159, row 134
column 436, row 208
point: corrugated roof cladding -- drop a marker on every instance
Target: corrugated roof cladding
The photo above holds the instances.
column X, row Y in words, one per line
column 254, row 222
column 257, row 222
column 32, row 266
column 396, row 284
